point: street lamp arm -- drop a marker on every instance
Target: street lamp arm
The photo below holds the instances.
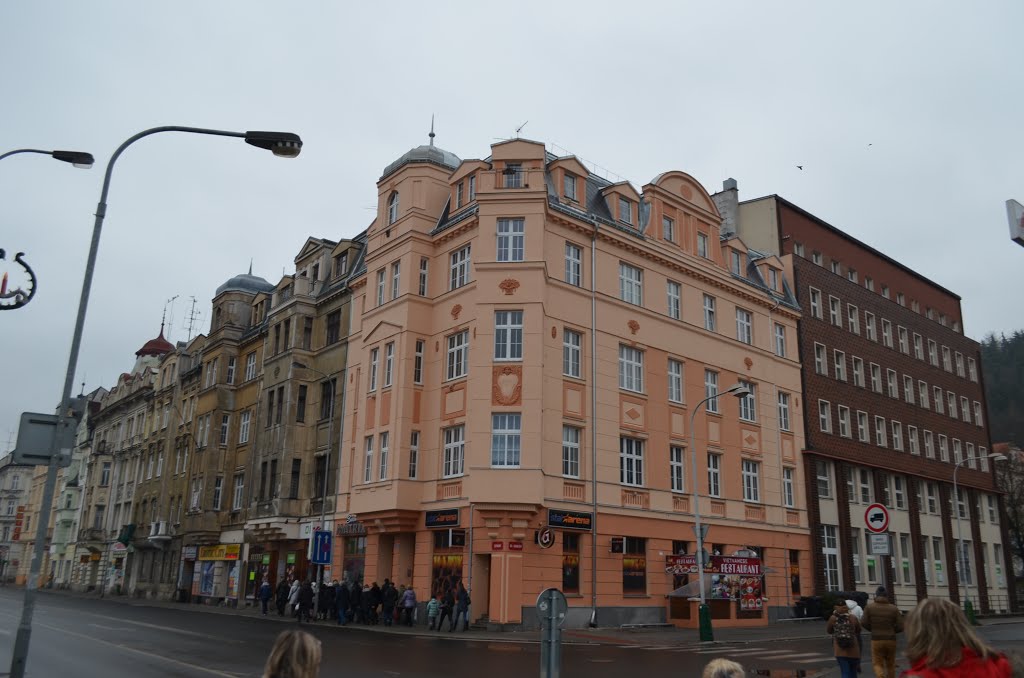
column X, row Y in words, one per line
column 23, row 150
column 77, row 158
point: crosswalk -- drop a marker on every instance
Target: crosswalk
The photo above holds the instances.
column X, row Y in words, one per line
column 741, row 651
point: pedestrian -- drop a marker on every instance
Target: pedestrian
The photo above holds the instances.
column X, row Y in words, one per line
column 295, row 654
column 375, row 600
column 447, row 607
column 293, row 597
column 844, row 628
column 341, row 604
column 330, row 592
column 355, row 601
column 462, row 603
column 283, row 590
column 306, row 601
column 884, row 621
column 857, row 611
column 433, row 607
column 389, row 598
column 941, row 644
column 265, row 594
column 364, row 601
column 723, row 668
column 408, row 606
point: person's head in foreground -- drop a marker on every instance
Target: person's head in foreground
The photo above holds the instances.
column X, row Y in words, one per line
column 296, row 654
column 723, row 668
column 939, row 636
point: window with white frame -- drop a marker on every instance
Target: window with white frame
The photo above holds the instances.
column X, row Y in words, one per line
column 625, row 210
column 368, row 460
column 773, row 278
column 969, row 447
column 886, row 333
column 424, row 276
column 876, row 378
column 840, row 365
column 830, row 557
column 674, row 294
column 892, row 383
column 631, row 284
column 816, row 258
column 977, row 414
column 853, row 318
column 993, row 509
column 922, row 394
column 735, row 262
column 825, row 416
column 250, row 366
column 381, row 276
column 709, row 312
column 458, row 355
column 374, row 362
column 823, row 478
column 676, row 468
column 571, row 451
column 230, row 377
column 816, row 303
column 947, row 363
column 631, row 461
column 459, row 268
column 901, row 333
column 951, row 401
column 933, row 499
column 957, row 451
column 393, row 208
column 631, row 368
column 943, row 448
column 912, row 442
column 820, row 359
column 937, row 394
column 788, row 489
column 751, row 471
column 780, row 340
column 899, row 494
column 844, row 421
column 783, row 411
column 675, row 381
column 851, row 275
column 454, row 451
column 389, row 363
column 573, row 264
column 929, row 446
column 959, row 360
column 508, row 335
column 836, row 267
column 908, row 389
column 572, row 347
column 866, row 494
column 744, row 326
column 858, row 371
column 414, row 453
column 897, row 436
column 714, row 474
column 237, row 498
column 243, row 427
column 965, row 409
column 711, row 390
column 668, row 229
column 385, row 441
column 702, row 245
column 569, row 186
column 511, row 237
column 880, row 436
column 983, row 454
column 506, row 429
column 834, row 311
column 933, row 353
column 417, row 362
column 748, row 403
column 869, row 326
column 918, row 346
column 972, row 369
column 396, row 279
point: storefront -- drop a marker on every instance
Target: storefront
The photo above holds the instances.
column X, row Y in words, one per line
column 216, row 576
column 733, row 587
column 352, row 535
column 449, row 548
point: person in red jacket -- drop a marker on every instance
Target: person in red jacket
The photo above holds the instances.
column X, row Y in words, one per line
column 941, row 644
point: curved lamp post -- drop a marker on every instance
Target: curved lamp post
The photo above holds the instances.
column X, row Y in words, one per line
column 76, row 158
column 961, row 568
column 704, row 613
column 283, row 144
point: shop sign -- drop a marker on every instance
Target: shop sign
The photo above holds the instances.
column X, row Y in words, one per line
column 497, row 545
column 265, row 560
column 189, row 552
column 290, row 558
column 118, row 548
column 515, row 546
column 442, row 518
column 220, row 552
column 352, row 527
column 729, row 565
column 570, row 520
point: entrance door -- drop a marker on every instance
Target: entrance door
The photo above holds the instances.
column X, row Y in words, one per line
column 480, row 585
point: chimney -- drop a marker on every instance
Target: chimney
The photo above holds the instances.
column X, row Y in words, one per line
column 728, row 203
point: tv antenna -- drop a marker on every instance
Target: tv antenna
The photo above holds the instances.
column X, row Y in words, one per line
column 520, row 128
column 192, row 315
column 170, row 322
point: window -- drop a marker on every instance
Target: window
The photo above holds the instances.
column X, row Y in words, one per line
column 374, row 361
column 702, row 245
column 773, row 279
column 454, row 451
column 933, row 502
column 816, row 303
column 459, row 194
column 572, row 353
column 908, row 389
column 237, row 498
column 393, row 208
column 631, row 368
column 834, row 315
column 977, row 414
column 780, row 340
column 472, row 187
column 225, row 423
column 417, row 362
column 505, row 440
column 751, row 481
column 634, row 566
column 674, row 293
column 508, row 335
column 570, row 452
column 341, row 264
column 922, row 394
column 820, row 359
column 104, row 476
column 675, row 381
column 933, row 353
column 880, row 432
column 840, row 364
column 836, row 267
column 396, row 278
column 230, row 376
column 630, row 284
column 668, row 229
column 816, row 258
column 943, row 448
column 869, row 284
column 851, row 275
column 825, row 416
column 625, row 210
column 573, row 264
column 569, row 186
column 511, row 239
column 869, row 326
column 709, row 313
column 711, row 390
column 333, row 327
column 218, row 483
column 951, row 401
column 965, row 409
column 414, row 453
column 513, row 175
column 858, row 371
column 892, row 383
column 744, row 326
column 918, row 347
column 250, row 366
column 897, row 436
column 830, row 561
column 458, row 355
column 424, row 271
column 459, row 268
column 783, row 411
column 865, row 486
column 971, row 459
column 929, row 448
column 876, row 378
column 844, row 421
column 993, row 512
column 389, row 362
column 798, row 249
column 676, row 467
column 243, row 427
column 570, row 562
column 887, row 333
column 823, row 476
column 327, row 389
column 983, row 454
column 380, row 287
column 368, row 460
column 957, row 451
column 631, row 461
column 748, row 403
column 904, row 344
column 885, row 291
column 385, row 440
column 946, row 362
column 714, row 474
column 937, row 394
column 788, row 493
column 853, row 318
column 197, row 492
column 972, row 369
column 735, row 262
column 912, row 443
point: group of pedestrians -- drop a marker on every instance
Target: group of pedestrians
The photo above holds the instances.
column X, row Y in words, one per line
column 344, row 602
column 449, row 605
column 940, row 641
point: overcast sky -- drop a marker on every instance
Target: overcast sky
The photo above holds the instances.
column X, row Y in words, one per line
column 742, row 89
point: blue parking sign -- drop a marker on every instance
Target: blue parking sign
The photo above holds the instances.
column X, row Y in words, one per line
column 322, row 544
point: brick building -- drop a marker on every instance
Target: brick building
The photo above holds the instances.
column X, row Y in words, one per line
column 894, row 404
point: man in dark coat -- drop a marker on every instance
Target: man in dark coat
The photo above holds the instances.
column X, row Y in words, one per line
column 305, row 601
column 355, row 601
column 282, row 596
column 389, row 598
column 375, row 601
column 462, row 607
column 327, row 607
column 447, row 610
column 341, row 600
column 265, row 594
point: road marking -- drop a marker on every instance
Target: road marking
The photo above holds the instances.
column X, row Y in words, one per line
column 813, row 661
column 172, row 629
column 196, row 667
column 730, row 650
column 800, row 654
column 112, row 628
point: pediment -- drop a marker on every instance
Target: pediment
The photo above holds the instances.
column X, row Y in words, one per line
column 382, row 330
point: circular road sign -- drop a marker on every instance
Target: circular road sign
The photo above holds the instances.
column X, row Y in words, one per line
column 546, row 538
column 876, row 518
column 551, row 603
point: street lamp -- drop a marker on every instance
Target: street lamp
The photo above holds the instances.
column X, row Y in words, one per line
column 282, row 144
column 76, row 158
column 704, row 614
column 960, row 563
column 327, row 474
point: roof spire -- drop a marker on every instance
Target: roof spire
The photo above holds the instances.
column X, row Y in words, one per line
column 431, row 135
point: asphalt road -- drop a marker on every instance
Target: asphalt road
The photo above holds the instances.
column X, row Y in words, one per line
column 92, row 638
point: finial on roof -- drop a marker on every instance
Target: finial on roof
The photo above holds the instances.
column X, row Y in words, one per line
column 250, row 265
column 431, row 135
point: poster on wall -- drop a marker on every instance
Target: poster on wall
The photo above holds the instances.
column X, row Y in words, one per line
column 233, row 581
column 446, row 574
column 750, row 593
column 206, row 577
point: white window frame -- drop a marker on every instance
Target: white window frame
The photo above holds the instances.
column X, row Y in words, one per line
column 886, row 333
column 876, row 377
column 573, row 264
column 381, row 286
column 508, row 336
column 858, row 371
column 571, row 439
column 631, row 461
column 783, row 403
column 913, row 444
column 918, row 346
column 824, row 416
column 929, row 444
column 714, row 474
column 939, row 399
column 901, row 337
column 506, row 439
column 820, row 359
column 744, row 326
column 709, row 313
column 677, row 468
column 853, row 318
column 384, row 457
column 711, row 391
column 978, row 420
column 368, row 460
column 668, row 228
column 414, row 454
column 374, row 363
column 908, row 389
column 840, row 364
column 454, row 451
column 972, row 370
column 511, row 239
column 788, row 486
column 751, row 474
column 389, row 363
column 673, row 292
column 748, row 403
column 816, row 309
column 457, row 356
column 424, row 281
column 869, row 326
column 844, row 421
column 943, row 448
column 459, row 268
column 881, row 432
column 243, row 427
column 417, row 361
column 897, row 435
column 892, row 383
column 780, row 340
column 835, row 307
column 675, row 380
column 631, row 284
column 631, row 369
column 572, row 353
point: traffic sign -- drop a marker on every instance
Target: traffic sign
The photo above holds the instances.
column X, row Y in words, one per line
column 321, row 547
column 880, row 545
column 551, row 607
column 876, row 518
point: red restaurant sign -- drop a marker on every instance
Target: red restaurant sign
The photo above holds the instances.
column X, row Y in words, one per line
column 729, row 565
column 515, row 546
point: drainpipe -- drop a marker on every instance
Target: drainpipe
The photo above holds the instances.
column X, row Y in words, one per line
column 593, row 422
column 778, row 452
column 470, row 552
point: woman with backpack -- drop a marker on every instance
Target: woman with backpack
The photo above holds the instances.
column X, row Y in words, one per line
column 844, row 628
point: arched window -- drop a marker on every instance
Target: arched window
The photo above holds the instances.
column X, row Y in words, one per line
column 393, row 208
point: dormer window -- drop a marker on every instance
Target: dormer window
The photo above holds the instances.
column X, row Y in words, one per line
column 735, row 261
column 569, row 186
column 702, row 245
column 625, row 211
column 341, row 264
column 472, row 188
column 393, row 208
column 668, row 229
column 773, row 279
column 458, row 194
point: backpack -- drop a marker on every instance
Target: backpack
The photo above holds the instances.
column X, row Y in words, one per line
column 843, row 631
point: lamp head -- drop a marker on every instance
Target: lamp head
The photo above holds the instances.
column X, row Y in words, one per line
column 997, row 456
column 297, row 364
column 281, row 144
column 75, row 158
column 738, row 390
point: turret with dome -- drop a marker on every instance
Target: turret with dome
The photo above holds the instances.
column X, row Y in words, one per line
column 428, row 153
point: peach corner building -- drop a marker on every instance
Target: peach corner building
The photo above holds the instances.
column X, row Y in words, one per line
column 528, row 345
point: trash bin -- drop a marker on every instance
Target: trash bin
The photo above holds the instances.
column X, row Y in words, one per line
column 800, row 608
column 814, row 606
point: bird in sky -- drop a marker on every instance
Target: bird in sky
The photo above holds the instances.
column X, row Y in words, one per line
column 800, row 167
